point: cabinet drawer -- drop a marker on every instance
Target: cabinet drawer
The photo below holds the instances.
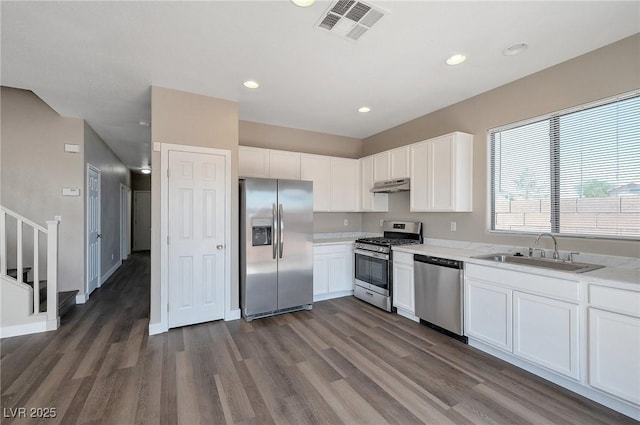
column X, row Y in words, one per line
column 526, row 282
column 333, row 249
column 618, row 300
column 403, row 257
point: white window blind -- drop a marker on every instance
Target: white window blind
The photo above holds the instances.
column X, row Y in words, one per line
column 575, row 172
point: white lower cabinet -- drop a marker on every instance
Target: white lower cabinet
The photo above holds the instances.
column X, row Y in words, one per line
column 545, row 331
column 403, row 287
column 488, row 313
column 583, row 336
column 332, row 271
column 614, row 342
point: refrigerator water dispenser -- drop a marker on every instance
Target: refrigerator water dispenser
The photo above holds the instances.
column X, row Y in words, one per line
column 261, row 231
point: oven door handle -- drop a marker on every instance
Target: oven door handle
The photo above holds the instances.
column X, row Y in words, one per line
column 371, row 254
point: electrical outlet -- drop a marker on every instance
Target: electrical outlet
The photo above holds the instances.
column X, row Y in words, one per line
column 346, row 222
column 453, row 226
column 57, row 217
column 113, row 256
column 381, row 222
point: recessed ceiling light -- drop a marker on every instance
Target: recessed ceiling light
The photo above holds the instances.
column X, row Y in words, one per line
column 516, row 49
column 364, row 109
column 303, row 3
column 456, row 59
column 146, row 170
column 250, row 84
column 143, row 123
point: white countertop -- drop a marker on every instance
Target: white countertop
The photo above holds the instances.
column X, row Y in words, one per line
column 458, row 254
column 609, row 276
column 334, row 241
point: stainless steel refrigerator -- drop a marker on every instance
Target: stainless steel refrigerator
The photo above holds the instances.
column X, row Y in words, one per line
column 276, row 246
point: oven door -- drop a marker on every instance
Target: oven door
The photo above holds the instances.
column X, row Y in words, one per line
column 372, row 271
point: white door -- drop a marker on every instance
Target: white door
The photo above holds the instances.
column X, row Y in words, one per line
column 93, row 228
column 488, row 313
column 317, row 168
column 196, row 237
column 141, row 220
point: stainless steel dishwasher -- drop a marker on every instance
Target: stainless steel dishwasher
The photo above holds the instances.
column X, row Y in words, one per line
column 438, row 292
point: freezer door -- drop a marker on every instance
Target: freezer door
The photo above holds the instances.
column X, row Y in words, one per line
column 258, row 256
column 295, row 249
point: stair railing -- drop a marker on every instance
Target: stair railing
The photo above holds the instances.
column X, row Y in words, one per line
column 51, row 233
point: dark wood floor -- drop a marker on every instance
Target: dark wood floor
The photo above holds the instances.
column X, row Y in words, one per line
column 342, row 362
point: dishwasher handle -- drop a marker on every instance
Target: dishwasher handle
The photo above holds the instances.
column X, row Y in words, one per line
column 443, row 262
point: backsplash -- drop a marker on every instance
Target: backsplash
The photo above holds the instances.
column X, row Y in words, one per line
column 631, row 263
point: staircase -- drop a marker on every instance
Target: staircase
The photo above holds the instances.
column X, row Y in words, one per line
column 66, row 299
column 29, row 304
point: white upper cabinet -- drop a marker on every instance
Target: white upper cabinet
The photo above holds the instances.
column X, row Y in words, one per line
column 399, row 163
column 370, row 201
column 268, row 163
column 441, row 171
column 284, row 165
column 345, row 184
column 253, row 162
column 381, row 169
column 317, row 168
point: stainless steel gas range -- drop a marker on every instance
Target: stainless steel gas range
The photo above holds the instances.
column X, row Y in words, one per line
column 374, row 261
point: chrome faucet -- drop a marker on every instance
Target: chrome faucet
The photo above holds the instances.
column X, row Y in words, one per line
column 556, row 256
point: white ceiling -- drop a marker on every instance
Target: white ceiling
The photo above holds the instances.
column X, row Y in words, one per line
column 97, row 60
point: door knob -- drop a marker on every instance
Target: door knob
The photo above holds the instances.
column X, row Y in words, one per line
column 220, row 247
column 98, row 236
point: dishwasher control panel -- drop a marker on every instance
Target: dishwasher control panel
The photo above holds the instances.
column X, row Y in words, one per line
column 445, row 262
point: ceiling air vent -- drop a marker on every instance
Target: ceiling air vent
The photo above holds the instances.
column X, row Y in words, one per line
column 350, row 19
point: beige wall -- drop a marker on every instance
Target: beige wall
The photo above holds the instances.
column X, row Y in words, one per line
column 292, row 139
column 35, row 168
column 599, row 74
column 334, row 222
column 112, row 173
column 190, row 119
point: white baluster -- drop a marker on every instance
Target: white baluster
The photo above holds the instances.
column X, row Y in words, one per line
column 19, row 248
column 52, row 269
column 36, row 271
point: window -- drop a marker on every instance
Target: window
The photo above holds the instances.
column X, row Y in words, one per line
column 575, row 172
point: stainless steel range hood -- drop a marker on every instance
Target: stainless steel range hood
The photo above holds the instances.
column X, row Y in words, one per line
column 391, row 186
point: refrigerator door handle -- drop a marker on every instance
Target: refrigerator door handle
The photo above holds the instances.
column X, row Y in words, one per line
column 274, row 244
column 281, row 237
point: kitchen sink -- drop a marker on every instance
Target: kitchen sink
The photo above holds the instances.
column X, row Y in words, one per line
column 545, row 263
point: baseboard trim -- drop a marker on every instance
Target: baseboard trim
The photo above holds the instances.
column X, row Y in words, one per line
column 331, row 295
column 232, row 315
column 157, row 328
column 109, row 272
column 81, row 298
column 25, row 329
column 408, row 315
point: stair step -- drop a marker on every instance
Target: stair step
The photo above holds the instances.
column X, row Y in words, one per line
column 14, row 273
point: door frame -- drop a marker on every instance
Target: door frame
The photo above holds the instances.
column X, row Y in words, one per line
column 164, row 228
column 86, row 191
column 125, row 222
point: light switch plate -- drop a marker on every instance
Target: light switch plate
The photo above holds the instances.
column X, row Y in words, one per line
column 68, row 191
column 453, row 226
column 68, row 147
